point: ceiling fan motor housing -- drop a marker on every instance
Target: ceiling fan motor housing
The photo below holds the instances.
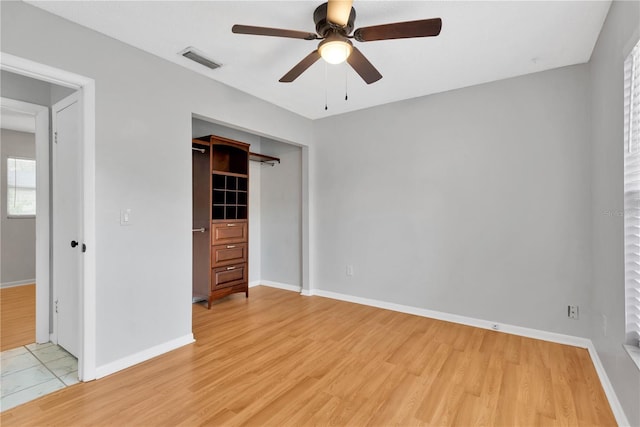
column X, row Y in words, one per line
column 324, row 28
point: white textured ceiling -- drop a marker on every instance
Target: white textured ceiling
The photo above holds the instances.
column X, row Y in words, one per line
column 480, row 42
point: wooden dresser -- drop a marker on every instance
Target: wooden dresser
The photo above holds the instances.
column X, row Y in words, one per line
column 228, row 230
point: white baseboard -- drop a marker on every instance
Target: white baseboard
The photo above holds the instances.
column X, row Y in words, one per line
column 464, row 320
column 278, row 285
column 616, row 407
column 618, row 412
column 17, row 283
column 307, row 292
column 254, row 283
column 134, row 359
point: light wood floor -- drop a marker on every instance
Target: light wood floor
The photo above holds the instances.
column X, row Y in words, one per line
column 281, row 359
column 18, row 316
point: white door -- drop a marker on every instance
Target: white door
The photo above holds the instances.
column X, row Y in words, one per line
column 67, row 223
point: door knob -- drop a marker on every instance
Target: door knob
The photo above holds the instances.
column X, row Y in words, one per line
column 74, row 243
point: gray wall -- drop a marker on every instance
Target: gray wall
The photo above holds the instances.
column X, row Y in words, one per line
column 281, row 214
column 21, row 88
column 474, row 202
column 619, row 34
column 144, row 108
column 18, row 235
column 25, row 89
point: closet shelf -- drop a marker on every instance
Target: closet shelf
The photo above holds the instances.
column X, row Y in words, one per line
column 263, row 158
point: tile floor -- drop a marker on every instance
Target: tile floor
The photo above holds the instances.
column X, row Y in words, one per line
column 35, row 370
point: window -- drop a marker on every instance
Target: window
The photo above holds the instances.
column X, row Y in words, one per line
column 632, row 194
column 21, row 187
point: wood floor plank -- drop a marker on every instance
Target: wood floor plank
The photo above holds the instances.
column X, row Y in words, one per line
column 507, row 399
column 401, row 406
column 281, row 359
column 303, row 416
column 490, row 392
column 17, row 316
column 470, row 411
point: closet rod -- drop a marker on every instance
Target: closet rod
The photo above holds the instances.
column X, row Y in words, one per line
column 202, row 150
column 263, row 158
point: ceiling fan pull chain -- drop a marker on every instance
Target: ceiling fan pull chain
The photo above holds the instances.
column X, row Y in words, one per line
column 346, row 82
column 325, row 87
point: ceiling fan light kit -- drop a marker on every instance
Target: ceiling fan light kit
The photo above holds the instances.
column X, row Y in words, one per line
column 335, row 49
column 334, row 22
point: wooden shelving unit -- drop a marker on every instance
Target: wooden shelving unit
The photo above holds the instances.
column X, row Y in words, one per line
column 229, row 215
column 230, row 197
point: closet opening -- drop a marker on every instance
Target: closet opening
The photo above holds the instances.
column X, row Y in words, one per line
column 267, row 198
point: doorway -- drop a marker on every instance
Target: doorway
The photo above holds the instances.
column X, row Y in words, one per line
column 86, row 234
column 25, row 227
column 28, row 243
column 31, row 364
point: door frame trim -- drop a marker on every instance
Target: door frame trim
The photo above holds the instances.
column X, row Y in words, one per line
column 40, row 114
column 87, row 297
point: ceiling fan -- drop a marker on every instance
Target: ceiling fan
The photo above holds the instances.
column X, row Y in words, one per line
column 334, row 22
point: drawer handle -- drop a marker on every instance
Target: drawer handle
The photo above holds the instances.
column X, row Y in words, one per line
column 231, row 268
column 198, row 230
column 231, row 246
column 231, row 225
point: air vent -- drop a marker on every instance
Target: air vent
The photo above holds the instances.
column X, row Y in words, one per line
column 198, row 57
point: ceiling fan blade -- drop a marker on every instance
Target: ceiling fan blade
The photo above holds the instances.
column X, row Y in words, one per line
column 338, row 11
column 275, row 32
column 301, row 67
column 399, row 30
column 363, row 67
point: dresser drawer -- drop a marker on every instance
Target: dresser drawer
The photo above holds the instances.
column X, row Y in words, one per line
column 229, row 232
column 228, row 254
column 223, row 277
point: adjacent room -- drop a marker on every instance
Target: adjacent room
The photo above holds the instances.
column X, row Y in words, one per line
column 39, row 347
column 307, row 213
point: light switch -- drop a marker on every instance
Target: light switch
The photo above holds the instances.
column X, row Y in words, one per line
column 125, row 217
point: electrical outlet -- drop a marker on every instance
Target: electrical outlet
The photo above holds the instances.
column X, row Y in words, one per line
column 572, row 311
column 349, row 270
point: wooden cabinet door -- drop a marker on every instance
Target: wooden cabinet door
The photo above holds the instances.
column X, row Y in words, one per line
column 227, row 232
column 232, row 275
column 228, row 254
